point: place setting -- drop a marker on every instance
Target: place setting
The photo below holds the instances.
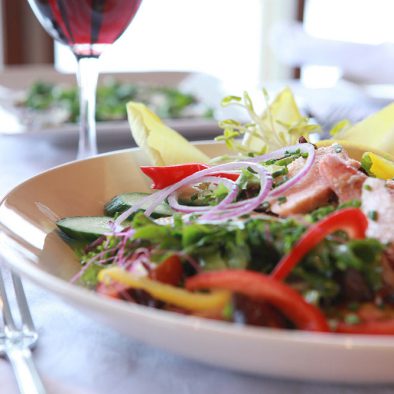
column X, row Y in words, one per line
column 193, row 236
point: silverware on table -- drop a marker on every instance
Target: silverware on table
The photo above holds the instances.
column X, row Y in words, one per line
column 18, row 337
column 328, row 116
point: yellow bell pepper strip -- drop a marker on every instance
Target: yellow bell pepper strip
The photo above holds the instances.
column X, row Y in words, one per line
column 350, row 220
column 261, row 287
column 378, row 166
column 167, row 293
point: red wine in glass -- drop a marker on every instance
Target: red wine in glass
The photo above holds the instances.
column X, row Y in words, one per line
column 87, row 27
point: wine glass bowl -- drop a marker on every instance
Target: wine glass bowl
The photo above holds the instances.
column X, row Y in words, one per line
column 87, row 27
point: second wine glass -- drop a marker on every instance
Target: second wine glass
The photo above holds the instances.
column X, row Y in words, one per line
column 87, row 27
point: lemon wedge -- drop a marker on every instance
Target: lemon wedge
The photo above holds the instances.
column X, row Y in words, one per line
column 163, row 145
column 378, row 165
column 376, row 131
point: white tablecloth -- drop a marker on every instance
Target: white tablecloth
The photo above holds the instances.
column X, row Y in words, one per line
column 79, row 356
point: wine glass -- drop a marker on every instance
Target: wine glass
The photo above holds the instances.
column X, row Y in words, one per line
column 87, row 27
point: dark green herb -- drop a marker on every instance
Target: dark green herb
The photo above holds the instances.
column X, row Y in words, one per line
column 282, row 200
column 373, row 215
column 280, row 172
column 353, row 306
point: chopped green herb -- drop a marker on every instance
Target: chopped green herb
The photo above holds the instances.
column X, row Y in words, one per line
column 350, row 204
column 228, row 311
column 353, row 306
column 373, row 215
column 282, row 200
column 280, row 172
column 352, row 318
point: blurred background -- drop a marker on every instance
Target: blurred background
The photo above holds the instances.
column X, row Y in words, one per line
column 218, row 37
column 333, row 53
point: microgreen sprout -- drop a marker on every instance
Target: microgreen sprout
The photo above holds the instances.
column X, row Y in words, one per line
column 280, row 124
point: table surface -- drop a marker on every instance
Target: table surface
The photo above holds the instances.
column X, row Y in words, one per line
column 77, row 355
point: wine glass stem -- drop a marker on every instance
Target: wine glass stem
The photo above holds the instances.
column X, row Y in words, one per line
column 87, row 81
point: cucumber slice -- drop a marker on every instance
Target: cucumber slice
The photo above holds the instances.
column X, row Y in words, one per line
column 124, row 201
column 85, row 228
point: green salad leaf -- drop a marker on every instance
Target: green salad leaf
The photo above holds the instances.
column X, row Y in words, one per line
column 258, row 243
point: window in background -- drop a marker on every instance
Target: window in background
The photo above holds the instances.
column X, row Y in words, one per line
column 358, row 21
column 224, row 38
column 1, row 41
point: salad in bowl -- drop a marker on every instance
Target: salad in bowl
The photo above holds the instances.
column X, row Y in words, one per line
column 283, row 232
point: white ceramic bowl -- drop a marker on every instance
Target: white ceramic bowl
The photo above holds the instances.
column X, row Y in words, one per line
column 31, row 246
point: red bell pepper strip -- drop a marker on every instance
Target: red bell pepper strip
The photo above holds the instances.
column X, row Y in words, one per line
column 350, row 220
column 375, row 327
column 168, row 271
column 262, row 287
column 163, row 176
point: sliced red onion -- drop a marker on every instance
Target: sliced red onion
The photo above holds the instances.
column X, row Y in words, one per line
column 153, row 200
column 243, row 206
column 246, row 206
column 265, row 179
column 303, row 148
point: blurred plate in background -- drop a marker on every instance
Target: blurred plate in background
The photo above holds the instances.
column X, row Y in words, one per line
column 52, row 125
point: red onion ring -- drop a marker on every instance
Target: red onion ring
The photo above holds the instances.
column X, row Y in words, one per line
column 226, row 208
column 174, row 204
column 246, row 206
column 153, row 200
column 303, row 148
column 196, row 177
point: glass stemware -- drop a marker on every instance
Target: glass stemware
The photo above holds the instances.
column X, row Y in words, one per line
column 87, row 27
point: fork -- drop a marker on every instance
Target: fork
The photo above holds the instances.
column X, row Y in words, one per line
column 16, row 340
column 352, row 111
